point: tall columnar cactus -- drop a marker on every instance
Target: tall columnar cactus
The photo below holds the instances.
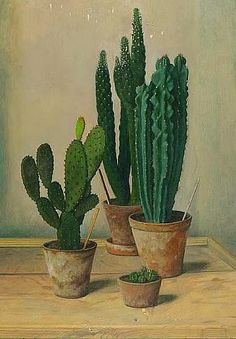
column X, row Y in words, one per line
column 129, row 72
column 161, row 133
column 65, row 211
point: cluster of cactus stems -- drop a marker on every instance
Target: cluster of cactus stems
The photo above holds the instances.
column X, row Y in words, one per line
column 129, row 72
column 161, row 133
column 144, row 275
column 65, row 211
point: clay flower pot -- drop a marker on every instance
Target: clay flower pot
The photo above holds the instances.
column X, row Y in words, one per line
column 139, row 294
column 161, row 246
column 122, row 240
column 69, row 269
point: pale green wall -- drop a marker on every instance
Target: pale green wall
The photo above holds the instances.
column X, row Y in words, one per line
column 52, row 56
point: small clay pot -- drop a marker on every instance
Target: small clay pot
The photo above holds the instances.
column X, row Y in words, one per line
column 69, row 269
column 139, row 294
column 118, row 220
column 161, row 246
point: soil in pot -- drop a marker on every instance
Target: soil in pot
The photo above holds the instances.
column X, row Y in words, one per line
column 70, row 270
column 139, row 294
column 118, row 221
column 161, row 246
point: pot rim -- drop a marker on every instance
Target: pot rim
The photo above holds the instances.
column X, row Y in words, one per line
column 160, row 227
column 121, row 280
column 121, row 206
column 188, row 217
column 87, row 249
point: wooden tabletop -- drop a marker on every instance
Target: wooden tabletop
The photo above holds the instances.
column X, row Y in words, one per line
column 199, row 304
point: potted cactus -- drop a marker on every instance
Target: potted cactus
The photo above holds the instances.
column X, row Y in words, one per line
column 161, row 133
column 129, row 72
column 69, row 264
column 140, row 289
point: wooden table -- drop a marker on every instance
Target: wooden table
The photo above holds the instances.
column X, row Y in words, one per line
column 199, row 304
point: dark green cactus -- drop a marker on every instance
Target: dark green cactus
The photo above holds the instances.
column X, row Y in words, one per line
column 129, row 72
column 30, row 177
column 124, row 83
column 66, row 212
column 44, row 159
column 56, row 195
column 138, row 56
column 106, row 121
column 68, row 233
column 161, row 132
column 144, row 275
column 124, row 152
column 48, row 212
column 86, row 204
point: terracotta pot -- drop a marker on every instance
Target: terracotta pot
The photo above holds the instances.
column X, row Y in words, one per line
column 161, row 246
column 139, row 294
column 118, row 220
column 70, row 270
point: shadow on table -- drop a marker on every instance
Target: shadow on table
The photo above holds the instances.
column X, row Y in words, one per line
column 191, row 267
column 166, row 298
column 99, row 284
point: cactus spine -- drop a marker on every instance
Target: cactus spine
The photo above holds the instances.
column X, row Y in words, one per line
column 161, row 133
column 129, row 72
column 65, row 211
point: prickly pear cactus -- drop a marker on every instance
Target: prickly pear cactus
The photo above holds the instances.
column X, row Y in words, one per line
column 30, row 177
column 65, row 211
column 161, row 133
column 56, row 195
column 94, row 148
column 68, row 233
column 76, row 172
column 45, row 164
column 48, row 212
column 86, row 204
column 79, row 129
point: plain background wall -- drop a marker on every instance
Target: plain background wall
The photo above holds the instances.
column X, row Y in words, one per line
column 49, row 52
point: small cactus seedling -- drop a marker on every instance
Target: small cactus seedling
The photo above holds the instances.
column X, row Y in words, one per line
column 65, row 211
column 161, row 133
column 129, row 72
column 144, row 275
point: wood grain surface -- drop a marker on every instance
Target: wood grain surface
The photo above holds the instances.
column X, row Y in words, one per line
column 198, row 304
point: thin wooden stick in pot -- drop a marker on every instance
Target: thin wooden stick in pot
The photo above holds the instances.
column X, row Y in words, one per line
column 93, row 222
column 191, row 198
column 104, row 186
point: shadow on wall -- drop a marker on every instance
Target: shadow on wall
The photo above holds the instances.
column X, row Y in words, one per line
column 4, row 77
